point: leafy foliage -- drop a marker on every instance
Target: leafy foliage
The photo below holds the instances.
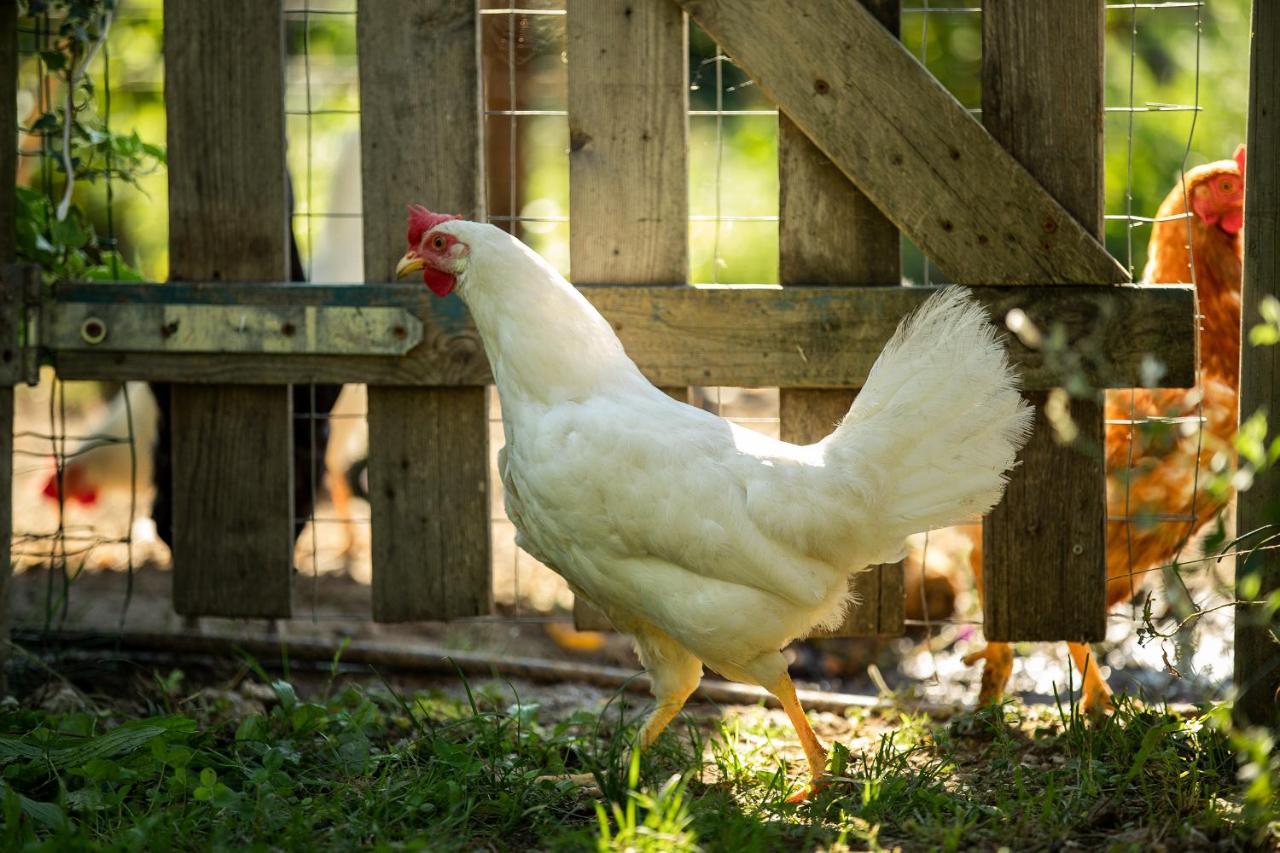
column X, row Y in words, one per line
column 52, row 229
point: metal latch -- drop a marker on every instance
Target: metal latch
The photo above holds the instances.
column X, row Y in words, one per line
column 205, row 328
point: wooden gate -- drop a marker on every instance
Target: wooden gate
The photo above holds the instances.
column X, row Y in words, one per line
column 870, row 145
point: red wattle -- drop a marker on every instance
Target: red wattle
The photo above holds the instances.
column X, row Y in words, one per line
column 1232, row 222
column 441, row 283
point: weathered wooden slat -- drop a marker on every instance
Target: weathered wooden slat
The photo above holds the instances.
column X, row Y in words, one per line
column 830, row 232
column 230, row 487
column 232, row 462
column 1257, row 658
column 1044, row 546
column 870, row 106
column 428, row 447
column 806, row 337
column 8, row 174
column 628, row 130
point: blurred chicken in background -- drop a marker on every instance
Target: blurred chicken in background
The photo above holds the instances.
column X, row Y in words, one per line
column 101, row 460
column 1164, row 480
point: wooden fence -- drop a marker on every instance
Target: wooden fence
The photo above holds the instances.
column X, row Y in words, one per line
column 870, row 145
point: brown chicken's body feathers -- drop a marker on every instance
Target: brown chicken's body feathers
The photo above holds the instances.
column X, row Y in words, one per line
column 1163, row 467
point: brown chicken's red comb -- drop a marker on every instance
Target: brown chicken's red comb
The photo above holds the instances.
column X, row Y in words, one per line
column 422, row 220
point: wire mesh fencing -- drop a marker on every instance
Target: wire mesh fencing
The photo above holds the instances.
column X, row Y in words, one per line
column 733, row 234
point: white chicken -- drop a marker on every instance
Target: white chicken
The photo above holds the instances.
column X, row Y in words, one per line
column 101, row 461
column 707, row 542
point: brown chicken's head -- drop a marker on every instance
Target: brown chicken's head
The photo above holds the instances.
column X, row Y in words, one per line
column 1215, row 192
column 440, row 255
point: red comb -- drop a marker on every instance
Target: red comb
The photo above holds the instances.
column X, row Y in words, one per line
column 422, row 220
column 1239, row 158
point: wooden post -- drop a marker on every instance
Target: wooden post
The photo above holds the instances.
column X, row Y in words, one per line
column 1044, row 546
column 428, row 447
column 628, row 135
column 8, row 174
column 1257, row 660
column 830, row 233
column 232, row 461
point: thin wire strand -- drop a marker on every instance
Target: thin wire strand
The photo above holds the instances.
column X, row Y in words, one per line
column 512, row 202
column 313, row 448
column 924, row 60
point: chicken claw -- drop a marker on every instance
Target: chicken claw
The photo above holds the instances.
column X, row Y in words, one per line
column 1095, row 698
column 785, row 691
column 585, row 781
column 997, row 666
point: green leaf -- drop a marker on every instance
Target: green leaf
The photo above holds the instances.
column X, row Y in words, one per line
column 53, row 60
column 69, row 233
column 1270, row 309
column 13, row 748
column 1264, row 335
column 122, row 740
column 1250, row 439
column 106, row 272
column 285, row 693
column 46, row 123
column 48, row 815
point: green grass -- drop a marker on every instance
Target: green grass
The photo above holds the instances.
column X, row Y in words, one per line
column 161, row 765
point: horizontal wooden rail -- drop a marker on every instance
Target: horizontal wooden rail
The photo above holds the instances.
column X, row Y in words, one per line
column 799, row 337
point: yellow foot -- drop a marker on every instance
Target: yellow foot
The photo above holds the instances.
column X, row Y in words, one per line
column 585, row 781
column 1097, row 703
column 806, row 792
column 997, row 661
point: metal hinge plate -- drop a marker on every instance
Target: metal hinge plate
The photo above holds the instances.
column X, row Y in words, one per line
column 196, row 328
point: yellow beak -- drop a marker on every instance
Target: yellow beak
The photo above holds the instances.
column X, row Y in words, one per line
column 409, row 263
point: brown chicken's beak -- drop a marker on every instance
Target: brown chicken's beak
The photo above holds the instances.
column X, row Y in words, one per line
column 409, row 263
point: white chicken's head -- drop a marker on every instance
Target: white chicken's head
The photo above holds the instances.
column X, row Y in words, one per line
column 435, row 248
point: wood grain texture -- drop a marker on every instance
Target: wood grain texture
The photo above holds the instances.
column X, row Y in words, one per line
column 798, row 336
column 233, row 501
column 8, row 174
column 428, row 476
column 1257, row 657
column 429, row 446
column 828, row 233
column 1044, row 546
column 870, row 106
column 628, row 149
column 628, row 179
column 232, row 461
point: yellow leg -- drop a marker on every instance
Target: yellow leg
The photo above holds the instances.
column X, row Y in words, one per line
column 674, row 673
column 813, row 749
column 997, row 661
column 1095, row 695
column 658, row 720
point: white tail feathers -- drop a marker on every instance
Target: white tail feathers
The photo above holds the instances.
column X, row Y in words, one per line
column 939, row 421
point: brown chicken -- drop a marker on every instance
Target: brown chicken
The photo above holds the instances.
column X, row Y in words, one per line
column 1169, row 497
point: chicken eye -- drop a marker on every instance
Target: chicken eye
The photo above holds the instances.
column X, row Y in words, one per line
column 438, row 243
column 1228, row 186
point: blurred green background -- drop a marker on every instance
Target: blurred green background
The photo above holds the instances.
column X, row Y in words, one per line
column 733, row 173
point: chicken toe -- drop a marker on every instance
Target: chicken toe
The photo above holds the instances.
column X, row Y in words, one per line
column 997, row 661
column 1095, row 695
column 770, row 672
